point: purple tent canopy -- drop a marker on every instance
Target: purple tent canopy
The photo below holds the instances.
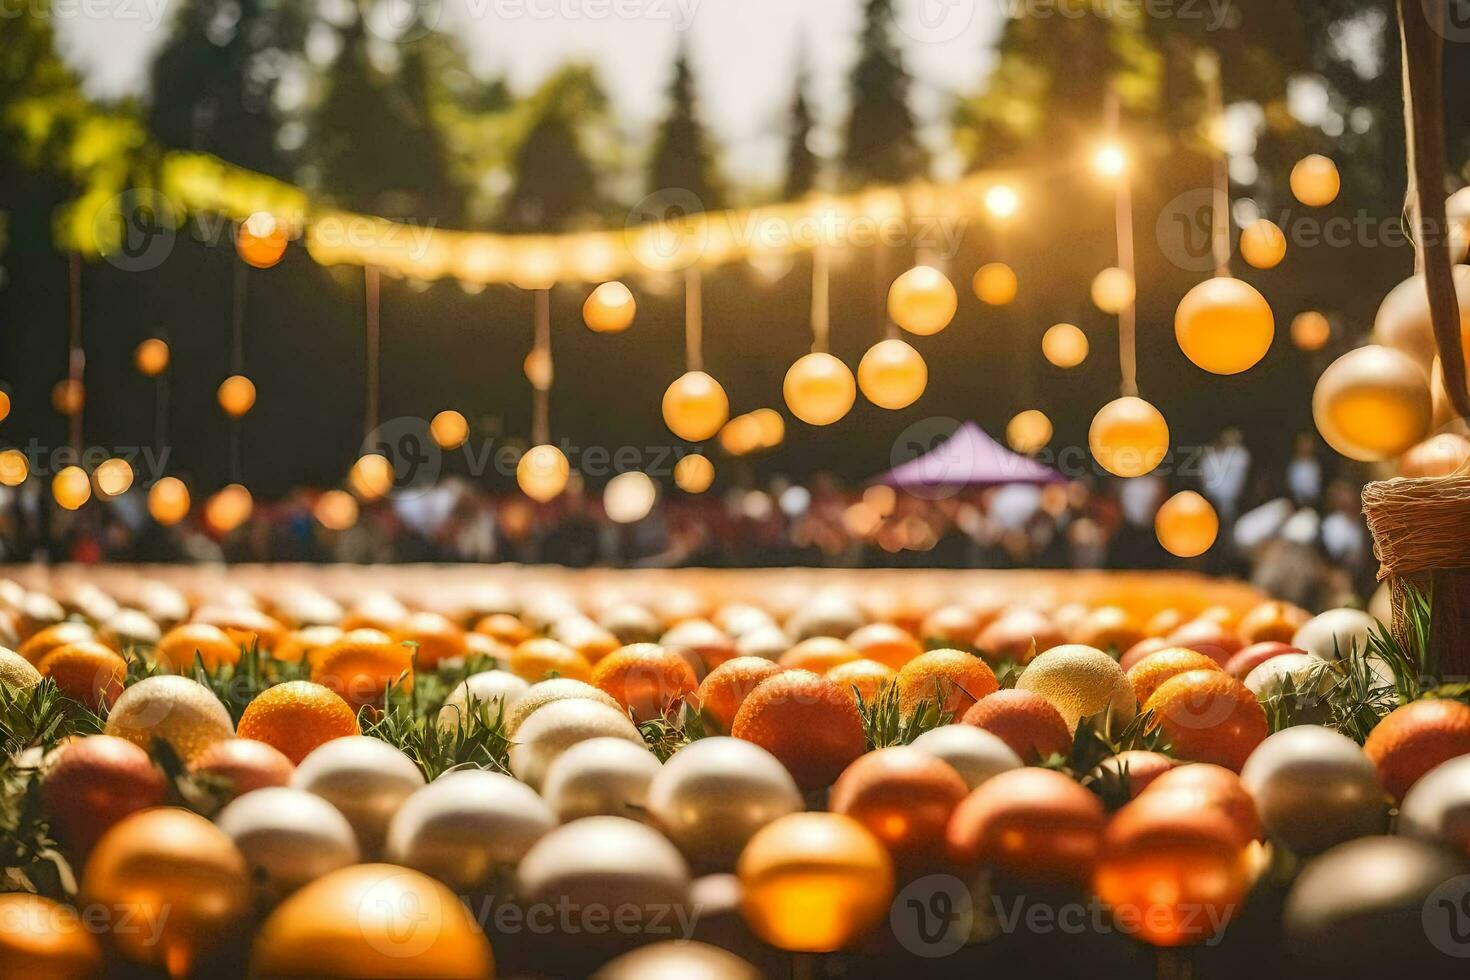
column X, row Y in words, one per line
column 968, row 458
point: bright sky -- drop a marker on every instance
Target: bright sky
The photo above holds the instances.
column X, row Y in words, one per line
column 743, row 52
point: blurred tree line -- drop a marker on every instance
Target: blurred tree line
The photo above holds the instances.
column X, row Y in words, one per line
column 406, row 130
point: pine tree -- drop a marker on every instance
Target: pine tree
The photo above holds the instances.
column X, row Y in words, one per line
column 214, row 81
column 555, row 186
column 801, row 162
column 882, row 145
column 681, row 155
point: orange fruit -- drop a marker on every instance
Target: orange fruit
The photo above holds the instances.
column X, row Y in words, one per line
column 92, row 783
column 41, row 643
column 1207, row 637
column 1141, row 649
column 1208, row 716
column 244, row 626
column 301, row 644
column 177, row 647
column 504, row 627
column 1139, row 767
column 360, row 669
column 437, row 638
column 955, row 678
column 1200, row 785
column 1413, row 739
column 1153, row 670
column 1241, row 664
column 1271, row 620
column 951, row 625
column 1031, row 824
column 296, row 717
column 905, row 798
column 586, row 637
column 244, row 764
column 868, row 676
column 1018, row 635
column 726, row 687
column 88, row 672
column 647, row 679
column 535, row 658
column 885, row 643
column 1026, row 722
column 811, row 724
column 818, row 655
column 1108, row 628
column 46, row 940
column 1164, row 622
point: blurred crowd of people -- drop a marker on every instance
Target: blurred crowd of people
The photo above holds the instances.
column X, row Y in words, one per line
column 1294, row 531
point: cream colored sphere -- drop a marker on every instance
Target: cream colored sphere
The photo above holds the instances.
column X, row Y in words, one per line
column 1402, row 321
column 922, row 300
column 554, row 728
column 819, row 389
column 1064, row 344
column 892, row 374
column 546, row 692
column 490, row 690
column 1113, row 290
column 288, row 836
column 601, row 777
column 1314, row 788
column 1372, row 403
column 1028, row 431
column 1437, row 807
column 1332, row 633
column 366, row 779
column 1128, row 437
column 542, row 472
column 1081, row 682
column 180, row 711
column 974, row 753
column 695, row 406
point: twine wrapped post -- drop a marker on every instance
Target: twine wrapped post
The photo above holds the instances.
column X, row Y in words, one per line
column 1421, row 536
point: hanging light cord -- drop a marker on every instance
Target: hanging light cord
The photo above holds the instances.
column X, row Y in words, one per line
column 821, row 311
column 541, row 389
column 372, row 287
column 237, row 363
column 693, row 320
column 76, row 356
column 1123, row 221
column 1209, row 66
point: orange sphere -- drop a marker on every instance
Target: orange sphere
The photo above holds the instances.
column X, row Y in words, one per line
column 94, row 782
column 261, row 240
column 1156, row 668
column 647, row 679
column 726, row 687
column 885, row 643
column 1128, row 437
column 1165, row 621
column 1109, row 628
column 1213, row 639
column 246, row 627
column 1198, row 785
column 814, row 882
column 88, row 672
column 45, row 940
column 609, row 308
column 533, row 659
column 905, row 798
column 1271, row 620
column 1186, row 524
column 436, row 637
column 361, row 669
column 806, row 721
column 1263, row 244
column 1032, row 824
column 177, row 648
column 868, row 677
column 244, row 765
column 922, row 300
column 952, row 677
column 1172, row 872
column 819, row 389
column 296, row 717
column 236, row 395
column 818, row 654
column 951, row 626
column 151, row 357
column 695, row 406
column 504, row 627
column 1209, row 716
column 54, row 637
column 1139, row 768
column 1018, row 635
column 1026, row 722
column 1413, row 739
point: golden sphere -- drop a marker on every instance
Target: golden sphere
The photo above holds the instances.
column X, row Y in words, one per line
column 819, row 389
column 1372, row 403
column 14, row 467
column 71, row 487
column 1186, row 524
column 1028, row 431
column 814, row 882
column 372, row 920
column 175, row 870
column 151, row 357
column 45, row 940
column 181, row 711
column 449, row 429
column 1064, row 344
column 4, row 405
column 1310, row 330
column 694, row 473
column 922, row 300
column 1113, row 290
column 68, row 396
column 371, row 477
column 336, row 510
column 236, row 395
column 1315, row 181
column 1402, row 321
column 542, row 472
column 892, row 374
column 609, row 309
column 771, row 425
column 695, row 406
column 741, row 435
column 1440, row 455
column 1128, row 436
column 995, row 283
column 678, row 960
column 1263, row 244
column 228, row 509
column 538, row 369
column 113, row 477
column 261, row 240
column 1224, row 325
column 168, row 501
